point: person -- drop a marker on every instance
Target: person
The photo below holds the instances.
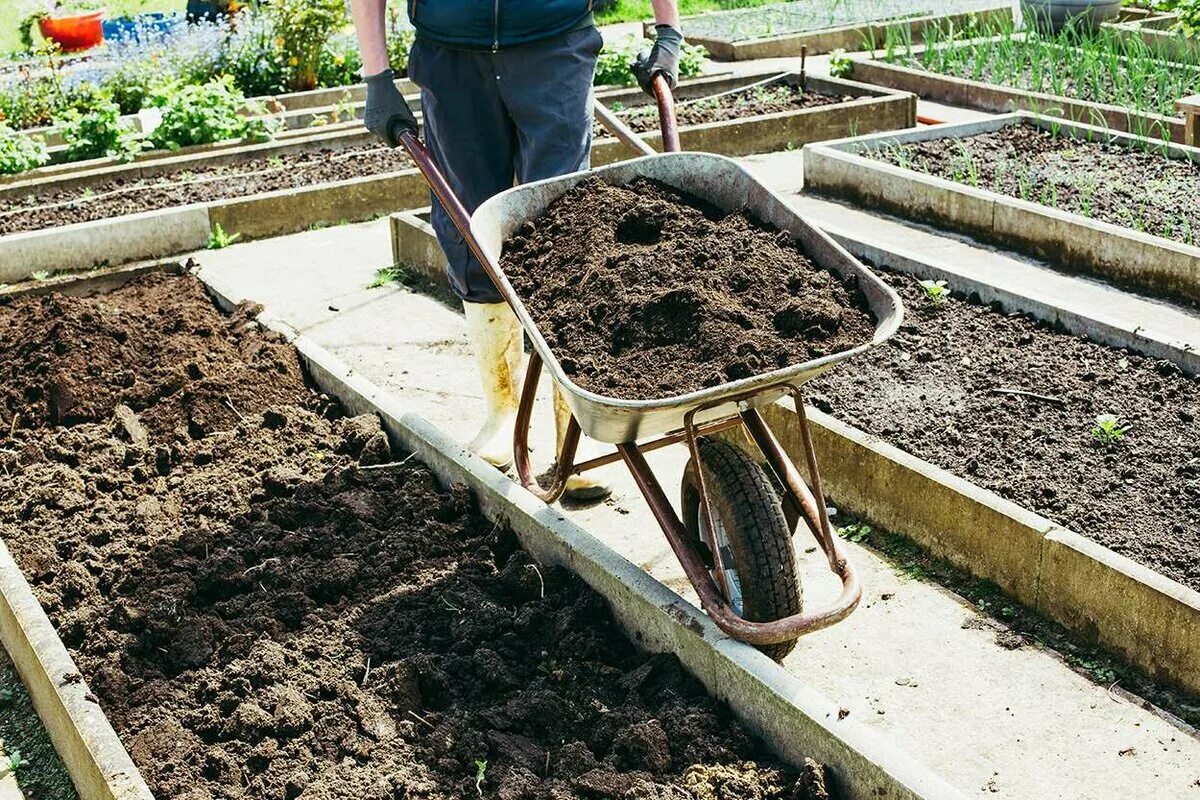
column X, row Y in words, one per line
column 506, row 95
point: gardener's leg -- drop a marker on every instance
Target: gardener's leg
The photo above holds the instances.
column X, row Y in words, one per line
column 547, row 89
column 473, row 141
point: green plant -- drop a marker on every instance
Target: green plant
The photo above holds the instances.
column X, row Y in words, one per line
column 302, row 28
column 1108, row 429
column 209, row 113
column 400, row 37
column 41, row 275
column 394, row 273
column 20, row 152
column 1189, row 17
column 840, row 64
column 98, row 133
column 480, row 774
column 855, row 532
column 12, row 762
column 219, row 239
column 935, row 291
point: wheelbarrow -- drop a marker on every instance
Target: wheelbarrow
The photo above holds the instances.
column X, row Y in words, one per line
column 734, row 540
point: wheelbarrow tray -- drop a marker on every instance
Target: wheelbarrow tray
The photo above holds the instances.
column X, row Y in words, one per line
column 724, row 183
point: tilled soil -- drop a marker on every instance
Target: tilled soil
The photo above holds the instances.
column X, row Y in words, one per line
column 935, row 390
column 50, row 209
column 260, row 617
column 1141, row 190
column 644, row 293
column 749, row 103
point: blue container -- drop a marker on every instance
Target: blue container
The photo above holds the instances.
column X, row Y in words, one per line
column 135, row 27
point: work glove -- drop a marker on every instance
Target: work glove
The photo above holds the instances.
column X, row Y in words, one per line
column 663, row 59
column 387, row 115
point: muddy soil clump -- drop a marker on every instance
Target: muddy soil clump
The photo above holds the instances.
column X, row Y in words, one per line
column 644, row 292
column 259, row 617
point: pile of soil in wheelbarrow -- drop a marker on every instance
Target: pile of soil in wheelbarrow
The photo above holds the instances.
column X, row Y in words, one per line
column 752, row 102
column 262, row 617
column 644, row 292
column 1010, row 403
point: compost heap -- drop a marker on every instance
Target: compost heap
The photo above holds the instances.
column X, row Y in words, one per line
column 643, row 292
column 260, row 617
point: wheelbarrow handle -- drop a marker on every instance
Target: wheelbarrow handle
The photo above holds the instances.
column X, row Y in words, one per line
column 666, row 120
column 454, row 208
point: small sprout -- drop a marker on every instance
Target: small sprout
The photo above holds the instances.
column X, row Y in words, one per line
column 935, row 291
column 840, row 64
column 219, row 239
column 6, row 695
column 40, row 275
column 480, row 774
column 10, row 763
column 394, row 273
column 1108, row 429
column 855, row 532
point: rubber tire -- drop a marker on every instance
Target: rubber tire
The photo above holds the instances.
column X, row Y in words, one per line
column 745, row 501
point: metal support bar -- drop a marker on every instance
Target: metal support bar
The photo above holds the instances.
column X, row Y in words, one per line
column 564, row 465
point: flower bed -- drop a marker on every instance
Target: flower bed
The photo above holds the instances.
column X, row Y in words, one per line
column 253, row 611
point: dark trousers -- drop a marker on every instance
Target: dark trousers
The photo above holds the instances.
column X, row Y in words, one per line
column 495, row 119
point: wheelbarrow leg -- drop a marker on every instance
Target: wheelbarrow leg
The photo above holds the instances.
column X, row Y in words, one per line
column 564, row 464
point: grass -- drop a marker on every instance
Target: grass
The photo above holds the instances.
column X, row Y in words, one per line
column 12, row 11
column 637, row 10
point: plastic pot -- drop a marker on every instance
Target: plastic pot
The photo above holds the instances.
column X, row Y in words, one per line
column 1054, row 15
column 75, row 32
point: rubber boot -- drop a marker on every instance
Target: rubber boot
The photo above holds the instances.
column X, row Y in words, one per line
column 496, row 339
column 580, row 488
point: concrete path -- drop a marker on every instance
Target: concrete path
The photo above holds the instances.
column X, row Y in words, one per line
column 914, row 662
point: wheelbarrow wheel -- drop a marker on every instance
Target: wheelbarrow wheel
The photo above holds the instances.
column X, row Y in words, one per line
column 753, row 535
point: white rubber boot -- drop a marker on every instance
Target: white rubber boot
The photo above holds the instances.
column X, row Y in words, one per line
column 496, row 339
column 580, row 488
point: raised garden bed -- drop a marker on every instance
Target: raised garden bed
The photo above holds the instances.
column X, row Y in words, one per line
column 821, row 26
column 1102, row 81
column 1151, row 620
column 256, row 613
column 1072, row 194
column 1158, row 32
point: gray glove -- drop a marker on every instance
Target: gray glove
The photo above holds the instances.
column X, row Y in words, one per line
column 663, row 59
column 387, row 115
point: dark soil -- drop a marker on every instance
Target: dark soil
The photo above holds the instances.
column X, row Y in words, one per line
column 932, row 391
column 1142, row 190
column 114, row 198
column 261, row 618
column 749, row 103
column 644, row 293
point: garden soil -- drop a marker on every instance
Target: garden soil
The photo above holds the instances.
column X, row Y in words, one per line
column 261, row 617
column 942, row 389
column 643, row 292
column 1138, row 189
column 51, row 208
column 750, row 103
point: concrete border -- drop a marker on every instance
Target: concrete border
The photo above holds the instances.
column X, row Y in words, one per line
column 999, row 99
column 794, row 720
column 1119, row 254
column 852, row 38
column 97, row 762
column 1150, row 620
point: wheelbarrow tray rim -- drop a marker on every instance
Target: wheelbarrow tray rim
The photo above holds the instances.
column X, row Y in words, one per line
column 496, row 219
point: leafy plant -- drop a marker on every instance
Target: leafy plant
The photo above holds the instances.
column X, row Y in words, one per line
column 394, row 273
column 855, row 532
column 303, row 28
column 1189, row 17
column 840, row 64
column 935, row 291
column 400, row 37
column 210, row 113
column 480, row 774
column 20, row 152
column 11, row 763
column 1109, row 429
column 98, row 133
column 219, row 239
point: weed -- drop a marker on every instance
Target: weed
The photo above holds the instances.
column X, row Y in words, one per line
column 935, row 291
column 855, row 532
column 12, row 762
column 219, row 239
column 480, row 774
column 393, row 273
column 40, row 275
column 840, row 64
column 1108, row 429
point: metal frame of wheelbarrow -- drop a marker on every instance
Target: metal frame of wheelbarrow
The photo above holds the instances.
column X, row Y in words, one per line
column 797, row 498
